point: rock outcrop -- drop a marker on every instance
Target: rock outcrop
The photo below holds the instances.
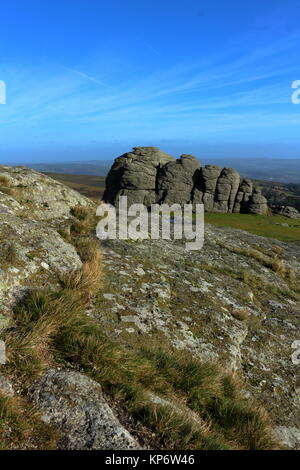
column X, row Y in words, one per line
column 134, row 175
column 146, row 175
column 175, row 180
column 75, row 405
column 34, row 209
column 286, row 211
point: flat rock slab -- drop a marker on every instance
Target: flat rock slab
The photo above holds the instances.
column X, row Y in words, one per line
column 75, row 404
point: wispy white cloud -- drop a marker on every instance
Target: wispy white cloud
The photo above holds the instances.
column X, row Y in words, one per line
column 84, row 75
column 212, row 95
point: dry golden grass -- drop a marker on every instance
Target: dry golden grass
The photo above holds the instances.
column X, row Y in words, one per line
column 291, row 276
column 241, row 314
column 86, row 220
column 21, row 426
column 8, row 252
column 278, row 266
column 42, row 314
column 4, row 181
column 81, row 212
column 278, row 250
column 89, row 278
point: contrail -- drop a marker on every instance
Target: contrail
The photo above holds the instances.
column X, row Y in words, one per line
column 84, row 75
column 151, row 48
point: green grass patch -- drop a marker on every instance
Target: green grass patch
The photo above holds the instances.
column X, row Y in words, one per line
column 262, row 225
column 21, row 426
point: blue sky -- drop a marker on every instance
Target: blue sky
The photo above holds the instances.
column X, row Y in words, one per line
column 89, row 79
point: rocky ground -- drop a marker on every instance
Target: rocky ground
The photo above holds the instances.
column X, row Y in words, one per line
column 223, row 303
column 236, row 302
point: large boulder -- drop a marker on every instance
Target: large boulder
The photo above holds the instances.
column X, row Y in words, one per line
column 226, row 190
column 243, row 195
column 147, row 176
column 205, row 187
column 36, row 195
column 258, row 204
column 176, row 179
column 75, row 404
column 34, row 212
column 286, row 211
column 135, row 171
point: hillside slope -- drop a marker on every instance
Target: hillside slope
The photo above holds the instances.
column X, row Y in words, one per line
column 143, row 344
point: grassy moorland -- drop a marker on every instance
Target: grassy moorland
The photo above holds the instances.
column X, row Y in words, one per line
column 90, row 186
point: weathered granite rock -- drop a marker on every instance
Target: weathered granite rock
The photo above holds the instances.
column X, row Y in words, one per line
column 205, row 187
column 146, row 175
column 42, row 197
column 214, row 304
column 75, row 404
column 6, row 387
column 33, row 209
column 136, row 170
column 226, row 190
column 289, row 436
column 176, row 179
column 243, row 196
column 287, row 211
column 258, row 204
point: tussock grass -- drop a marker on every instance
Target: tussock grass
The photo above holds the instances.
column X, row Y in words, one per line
column 278, row 250
column 81, row 212
column 275, row 262
column 4, row 181
column 59, row 330
column 21, row 426
column 291, row 277
column 278, row 266
column 249, row 253
column 86, row 220
column 88, row 279
column 241, row 314
column 5, row 186
column 51, row 328
column 8, row 252
column 43, row 313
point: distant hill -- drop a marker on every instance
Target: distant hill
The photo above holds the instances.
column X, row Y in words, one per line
column 286, row 194
column 282, row 194
column 88, row 185
column 269, row 169
column 93, row 168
